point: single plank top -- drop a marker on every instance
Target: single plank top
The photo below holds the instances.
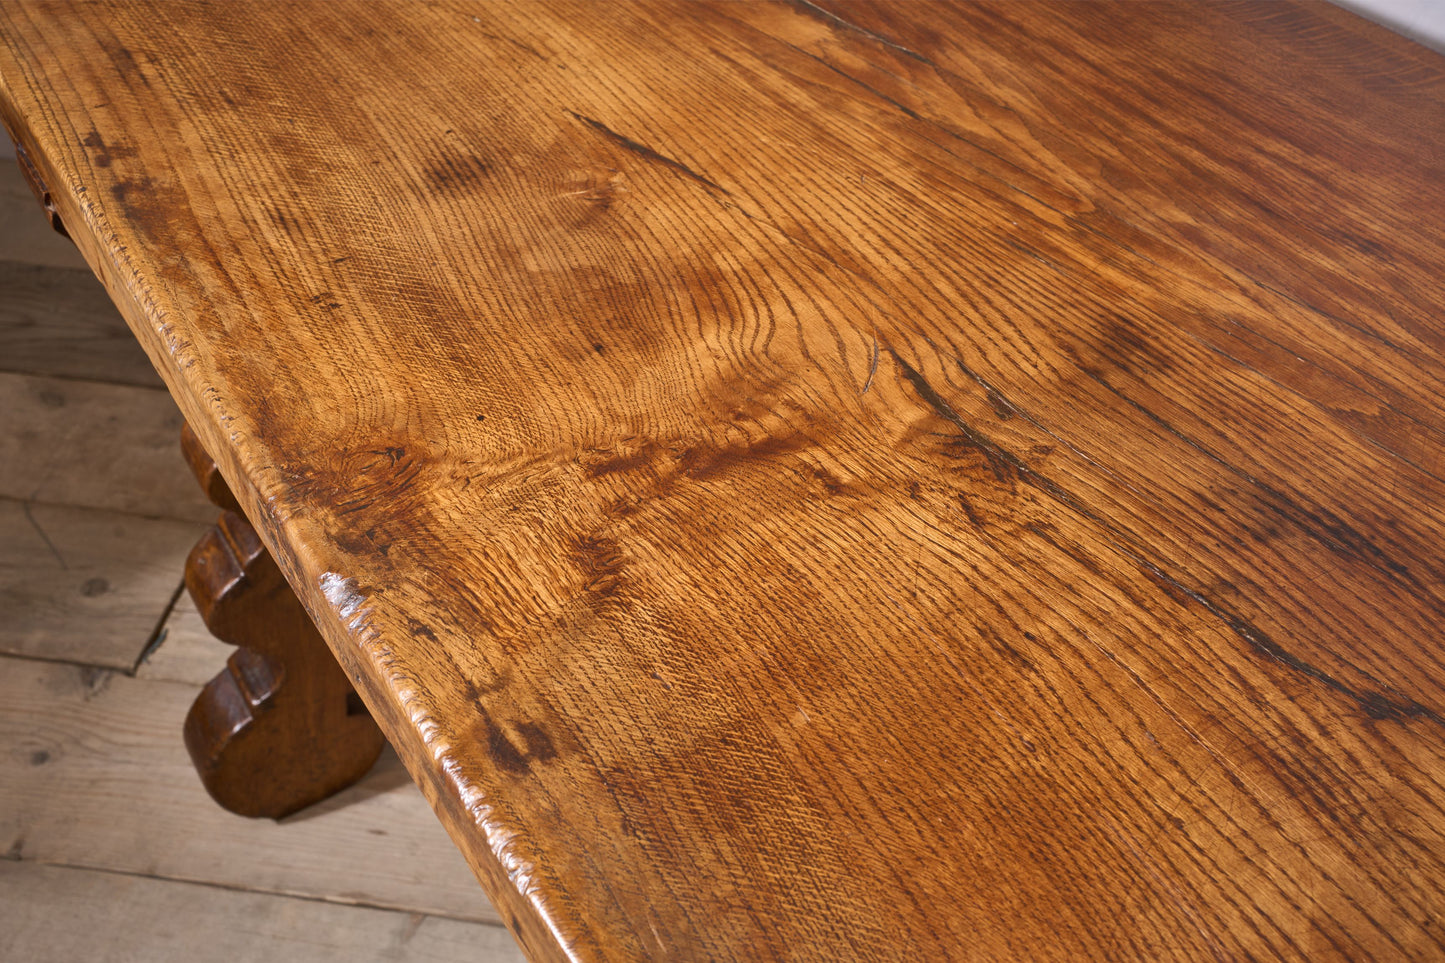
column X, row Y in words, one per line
column 825, row 480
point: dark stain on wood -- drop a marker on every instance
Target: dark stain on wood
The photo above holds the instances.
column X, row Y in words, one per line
column 457, row 172
column 515, row 751
column 103, row 154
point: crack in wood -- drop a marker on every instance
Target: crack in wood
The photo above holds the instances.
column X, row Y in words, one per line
column 647, row 153
column 1006, row 466
column 832, row 19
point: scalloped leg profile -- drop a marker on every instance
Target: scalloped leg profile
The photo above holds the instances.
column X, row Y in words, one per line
column 280, row 727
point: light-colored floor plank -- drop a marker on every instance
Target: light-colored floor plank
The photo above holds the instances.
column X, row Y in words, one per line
column 185, row 650
column 25, row 235
column 93, row 773
column 56, row 915
column 86, row 585
column 59, row 321
column 95, row 445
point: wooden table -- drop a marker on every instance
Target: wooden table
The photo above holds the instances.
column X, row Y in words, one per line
column 816, row 480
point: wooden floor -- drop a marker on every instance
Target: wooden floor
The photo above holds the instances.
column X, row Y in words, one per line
column 112, row 850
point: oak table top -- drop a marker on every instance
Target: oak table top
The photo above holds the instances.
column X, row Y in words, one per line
column 825, row 480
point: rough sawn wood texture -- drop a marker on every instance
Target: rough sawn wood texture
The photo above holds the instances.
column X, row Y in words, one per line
column 823, row 480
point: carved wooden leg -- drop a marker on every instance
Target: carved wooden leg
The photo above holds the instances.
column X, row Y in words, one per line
column 281, row 727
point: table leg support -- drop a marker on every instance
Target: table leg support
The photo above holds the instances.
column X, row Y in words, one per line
column 281, row 727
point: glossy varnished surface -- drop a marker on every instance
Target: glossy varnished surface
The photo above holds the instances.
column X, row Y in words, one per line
column 825, row 481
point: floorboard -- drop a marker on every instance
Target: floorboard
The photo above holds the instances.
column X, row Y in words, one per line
column 95, row 445
column 185, row 650
column 25, row 236
column 60, row 322
column 59, row 914
column 94, row 774
column 86, row 585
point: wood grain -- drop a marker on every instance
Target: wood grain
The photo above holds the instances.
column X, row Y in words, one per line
column 107, row 916
column 95, row 776
column 825, row 480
